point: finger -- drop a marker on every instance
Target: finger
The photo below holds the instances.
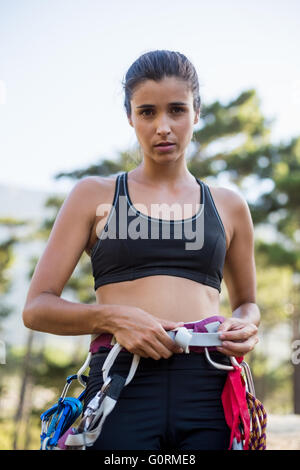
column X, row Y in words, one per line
column 162, row 345
column 241, row 334
column 230, row 324
column 244, row 346
column 140, row 353
column 167, row 343
column 224, row 326
column 238, row 348
column 158, row 345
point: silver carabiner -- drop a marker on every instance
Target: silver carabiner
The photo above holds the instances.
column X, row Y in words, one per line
column 93, row 406
column 94, row 403
column 67, row 386
column 217, row 365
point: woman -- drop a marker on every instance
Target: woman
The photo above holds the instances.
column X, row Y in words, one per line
column 146, row 285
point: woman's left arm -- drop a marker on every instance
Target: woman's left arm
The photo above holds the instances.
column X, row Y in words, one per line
column 239, row 334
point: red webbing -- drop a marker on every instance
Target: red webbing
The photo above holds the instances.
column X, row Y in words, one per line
column 235, row 406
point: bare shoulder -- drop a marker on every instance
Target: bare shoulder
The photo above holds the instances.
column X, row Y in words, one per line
column 233, row 210
column 93, row 190
column 235, row 198
column 97, row 192
column 95, row 183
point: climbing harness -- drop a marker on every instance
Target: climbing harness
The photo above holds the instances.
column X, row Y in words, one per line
column 244, row 414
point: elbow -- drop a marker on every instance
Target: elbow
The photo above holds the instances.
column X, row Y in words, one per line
column 30, row 315
column 28, row 319
column 31, row 312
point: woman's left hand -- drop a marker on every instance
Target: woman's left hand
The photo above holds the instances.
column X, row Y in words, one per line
column 238, row 336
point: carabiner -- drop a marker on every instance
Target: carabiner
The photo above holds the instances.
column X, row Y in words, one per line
column 69, row 379
column 217, row 365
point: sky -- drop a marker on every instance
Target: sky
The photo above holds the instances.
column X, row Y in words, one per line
column 62, row 63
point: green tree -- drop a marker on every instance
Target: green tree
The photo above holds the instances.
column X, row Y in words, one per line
column 7, row 260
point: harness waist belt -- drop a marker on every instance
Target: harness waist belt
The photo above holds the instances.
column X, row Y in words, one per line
column 197, row 339
column 194, row 336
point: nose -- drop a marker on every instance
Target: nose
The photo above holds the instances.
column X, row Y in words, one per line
column 162, row 125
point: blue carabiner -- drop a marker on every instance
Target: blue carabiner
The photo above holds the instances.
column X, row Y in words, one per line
column 60, row 417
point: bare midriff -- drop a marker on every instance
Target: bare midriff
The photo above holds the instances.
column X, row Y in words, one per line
column 169, row 297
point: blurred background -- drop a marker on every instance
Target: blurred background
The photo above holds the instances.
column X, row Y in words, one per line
column 62, row 63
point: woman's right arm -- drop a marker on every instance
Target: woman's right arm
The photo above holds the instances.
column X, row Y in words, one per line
column 44, row 310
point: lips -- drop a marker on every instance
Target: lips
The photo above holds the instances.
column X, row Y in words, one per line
column 165, row 147
column 164, row 144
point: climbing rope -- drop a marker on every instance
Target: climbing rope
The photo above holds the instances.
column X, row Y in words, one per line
column 258, row 423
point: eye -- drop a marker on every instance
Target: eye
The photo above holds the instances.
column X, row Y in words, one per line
column 174, row 110
column 179, row 110
column 146, row 111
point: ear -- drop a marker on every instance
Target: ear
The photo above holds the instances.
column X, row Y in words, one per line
column 197, row 116
column 130, row 120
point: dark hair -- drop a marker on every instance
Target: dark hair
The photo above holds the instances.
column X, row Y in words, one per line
column 155, row 65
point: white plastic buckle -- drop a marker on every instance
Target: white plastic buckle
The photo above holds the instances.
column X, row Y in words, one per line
column 183, row 338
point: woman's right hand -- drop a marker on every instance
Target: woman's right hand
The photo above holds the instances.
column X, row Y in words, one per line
column 144, row 334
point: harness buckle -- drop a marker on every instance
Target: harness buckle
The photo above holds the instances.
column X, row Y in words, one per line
column 94, row 405
column 183, row 338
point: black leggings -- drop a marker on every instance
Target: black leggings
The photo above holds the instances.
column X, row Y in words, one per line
column 170, row 404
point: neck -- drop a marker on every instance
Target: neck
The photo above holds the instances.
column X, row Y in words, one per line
column 163, row 174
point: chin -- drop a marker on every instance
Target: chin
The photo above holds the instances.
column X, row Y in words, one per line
column 166, row 160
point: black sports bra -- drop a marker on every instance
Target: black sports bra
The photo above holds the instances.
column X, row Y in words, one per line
column 133, row 245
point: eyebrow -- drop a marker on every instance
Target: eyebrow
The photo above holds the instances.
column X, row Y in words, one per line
column 174, row 103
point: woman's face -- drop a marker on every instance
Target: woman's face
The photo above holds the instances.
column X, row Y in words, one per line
column 163, row 111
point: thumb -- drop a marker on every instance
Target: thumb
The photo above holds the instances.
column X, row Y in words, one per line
column 227, row 324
